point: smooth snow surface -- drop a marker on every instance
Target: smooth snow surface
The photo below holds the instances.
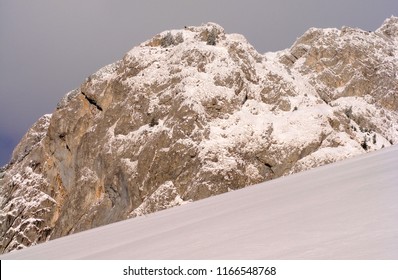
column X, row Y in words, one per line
column 346, row 210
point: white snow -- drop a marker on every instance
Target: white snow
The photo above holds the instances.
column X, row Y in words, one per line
column 345, row 210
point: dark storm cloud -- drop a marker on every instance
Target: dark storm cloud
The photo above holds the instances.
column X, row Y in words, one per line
column 47, row 48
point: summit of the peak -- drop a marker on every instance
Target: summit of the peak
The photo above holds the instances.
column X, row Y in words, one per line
column 389, row 28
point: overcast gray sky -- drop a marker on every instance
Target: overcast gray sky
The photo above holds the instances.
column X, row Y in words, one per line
column 48, row 48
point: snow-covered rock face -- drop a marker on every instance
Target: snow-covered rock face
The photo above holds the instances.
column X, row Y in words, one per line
column 196, row 112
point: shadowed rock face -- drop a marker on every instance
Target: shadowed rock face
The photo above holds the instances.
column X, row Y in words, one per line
column 194, row 113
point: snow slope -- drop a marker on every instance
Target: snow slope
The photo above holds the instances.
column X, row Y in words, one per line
column 345, row 210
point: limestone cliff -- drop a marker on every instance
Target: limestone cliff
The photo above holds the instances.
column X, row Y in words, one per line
column 193, row 113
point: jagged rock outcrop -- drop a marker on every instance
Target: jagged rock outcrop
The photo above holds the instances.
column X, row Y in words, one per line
column 193, row 113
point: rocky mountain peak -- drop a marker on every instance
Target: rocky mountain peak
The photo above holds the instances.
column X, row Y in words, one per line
column 390, row 28
column 193, row 113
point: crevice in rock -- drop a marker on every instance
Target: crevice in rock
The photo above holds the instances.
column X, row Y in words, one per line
column 13, row 186
column 112, row 194
column 270, row 167
column 9, row 242
column 153, row 122
column 244, row 99
column 34, row 164
column 92, row 101
column 45, row 234
column 267, row 165
column 15, row 232
column 69, row 231
column 62, row 136
column 17, row 216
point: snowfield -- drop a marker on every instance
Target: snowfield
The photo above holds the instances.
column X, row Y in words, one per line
column 345, row 210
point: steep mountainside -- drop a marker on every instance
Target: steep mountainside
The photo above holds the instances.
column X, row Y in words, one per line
column 196, row 112
column 313, row 215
